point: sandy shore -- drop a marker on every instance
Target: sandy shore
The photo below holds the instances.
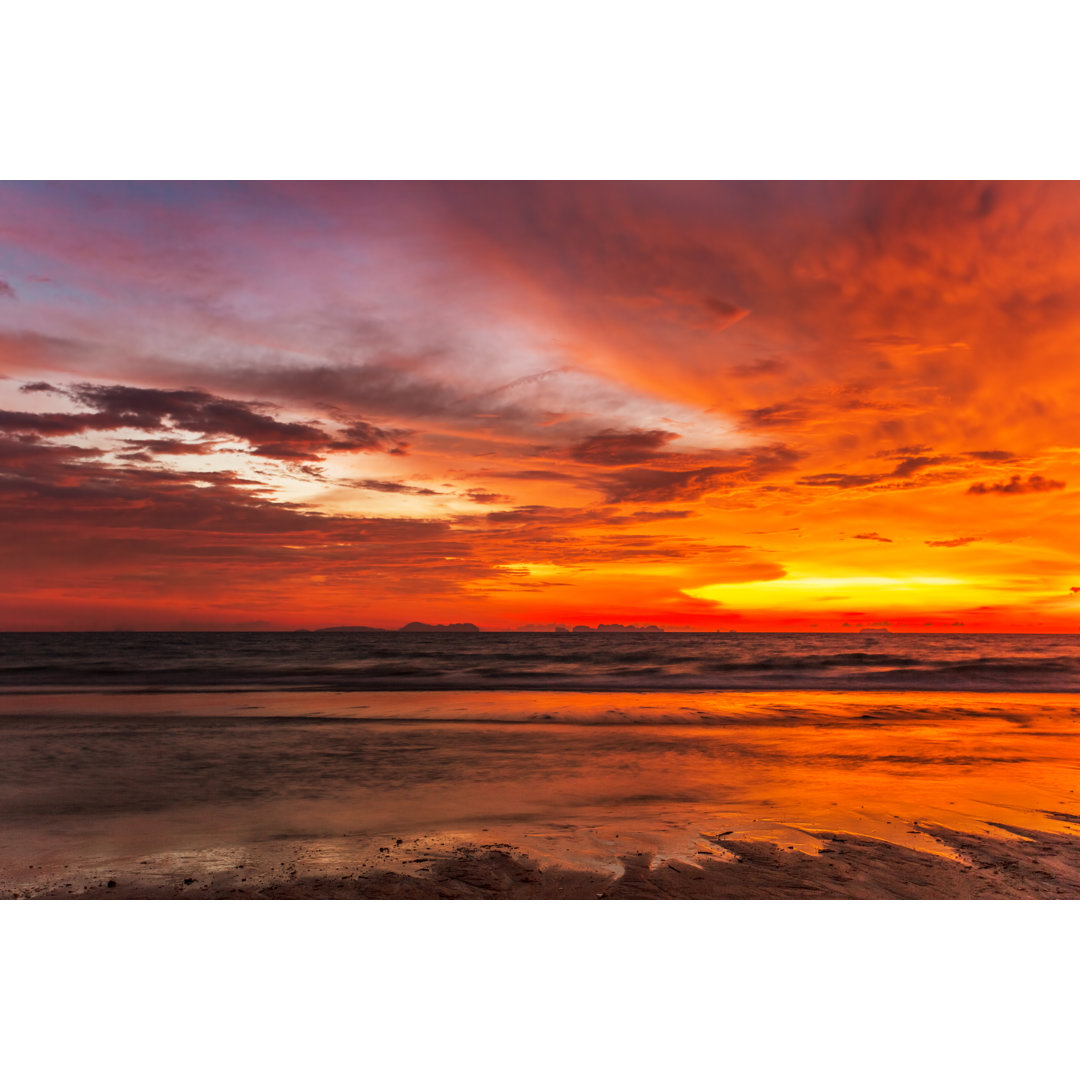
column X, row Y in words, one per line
column 1013, row 863
column 816, row 795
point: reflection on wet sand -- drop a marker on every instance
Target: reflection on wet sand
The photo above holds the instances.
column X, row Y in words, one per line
column 611, row 786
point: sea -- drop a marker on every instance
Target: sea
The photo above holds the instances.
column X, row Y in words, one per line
column 645, row 661
column 569, row 746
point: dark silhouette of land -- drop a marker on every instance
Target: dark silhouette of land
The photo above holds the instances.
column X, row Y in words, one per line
column 410, row 628
column 472, row 628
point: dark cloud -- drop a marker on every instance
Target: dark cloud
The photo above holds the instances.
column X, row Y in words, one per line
column 988, row 200
column 198, row 412
column 872, row 536
column 904, row 451
column 723, row 313
column 479, row 495
column 661, row 515
column 389, row 486
column 1017, row 485
column 72, row 517
column 773, row 458
column 7, row 292
column 665, row 485
column 800, row 410
column 840, row 480
column 611, row 447
column 384, row 386
column 911, row 465
column 28, row 451
column 783, row 414
column 906, row 468
column 771, row 366
column 537, row 474
column 992, row 455
column 75, row 522
column 960, row 541
column 361, row 435
column 51, row 424
column 684, row 485
column 530, row 515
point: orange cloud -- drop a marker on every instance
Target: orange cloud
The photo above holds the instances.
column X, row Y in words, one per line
column 554, row 402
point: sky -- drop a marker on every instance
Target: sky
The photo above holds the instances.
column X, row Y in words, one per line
column 737, row 406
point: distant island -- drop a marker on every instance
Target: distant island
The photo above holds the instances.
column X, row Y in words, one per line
column 602, row 628
column 409, row 628
column 472, row 628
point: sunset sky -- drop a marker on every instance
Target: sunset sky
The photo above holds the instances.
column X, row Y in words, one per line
column 751, row 406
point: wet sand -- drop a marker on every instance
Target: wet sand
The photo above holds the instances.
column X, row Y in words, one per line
column 512, row 796
column 1010, row 863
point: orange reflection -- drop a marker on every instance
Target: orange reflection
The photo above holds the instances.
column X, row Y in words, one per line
column 572, row 777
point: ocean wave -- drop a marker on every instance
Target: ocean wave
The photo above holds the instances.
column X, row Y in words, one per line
column 595, row 661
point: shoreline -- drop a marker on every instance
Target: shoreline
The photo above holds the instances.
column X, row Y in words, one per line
column 542, row 795
column 1013, row 863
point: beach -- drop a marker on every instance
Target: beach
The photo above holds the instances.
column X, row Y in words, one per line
column 1023, row 864
column 539, row 795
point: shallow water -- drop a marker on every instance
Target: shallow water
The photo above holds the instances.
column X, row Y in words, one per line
column 569, row 775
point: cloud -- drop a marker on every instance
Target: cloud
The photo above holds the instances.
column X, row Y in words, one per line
column 538, row 474
column 388, row 486
column 514, row 384
column 960, row 541
column 170, row 446
column 840, row 480
column 992, row 455
column 872, row 536
column 52, row 425
column 70, row 520
column 360, row 435
column 737, row 573
column 723, row 312
column 666, row 485
column 28, row 451
column 1017, row 485
column 904, row 451
column 910, row 466
column 769, row 366
column 22, row 351
column 199, row 412
column 611, row 447
column 728, row 468
column 661, row 515
column 782, row 414
column 568, row 331
column 6, row 291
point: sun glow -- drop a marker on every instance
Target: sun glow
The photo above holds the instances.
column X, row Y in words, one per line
column 698, row 404
column 841, row 593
